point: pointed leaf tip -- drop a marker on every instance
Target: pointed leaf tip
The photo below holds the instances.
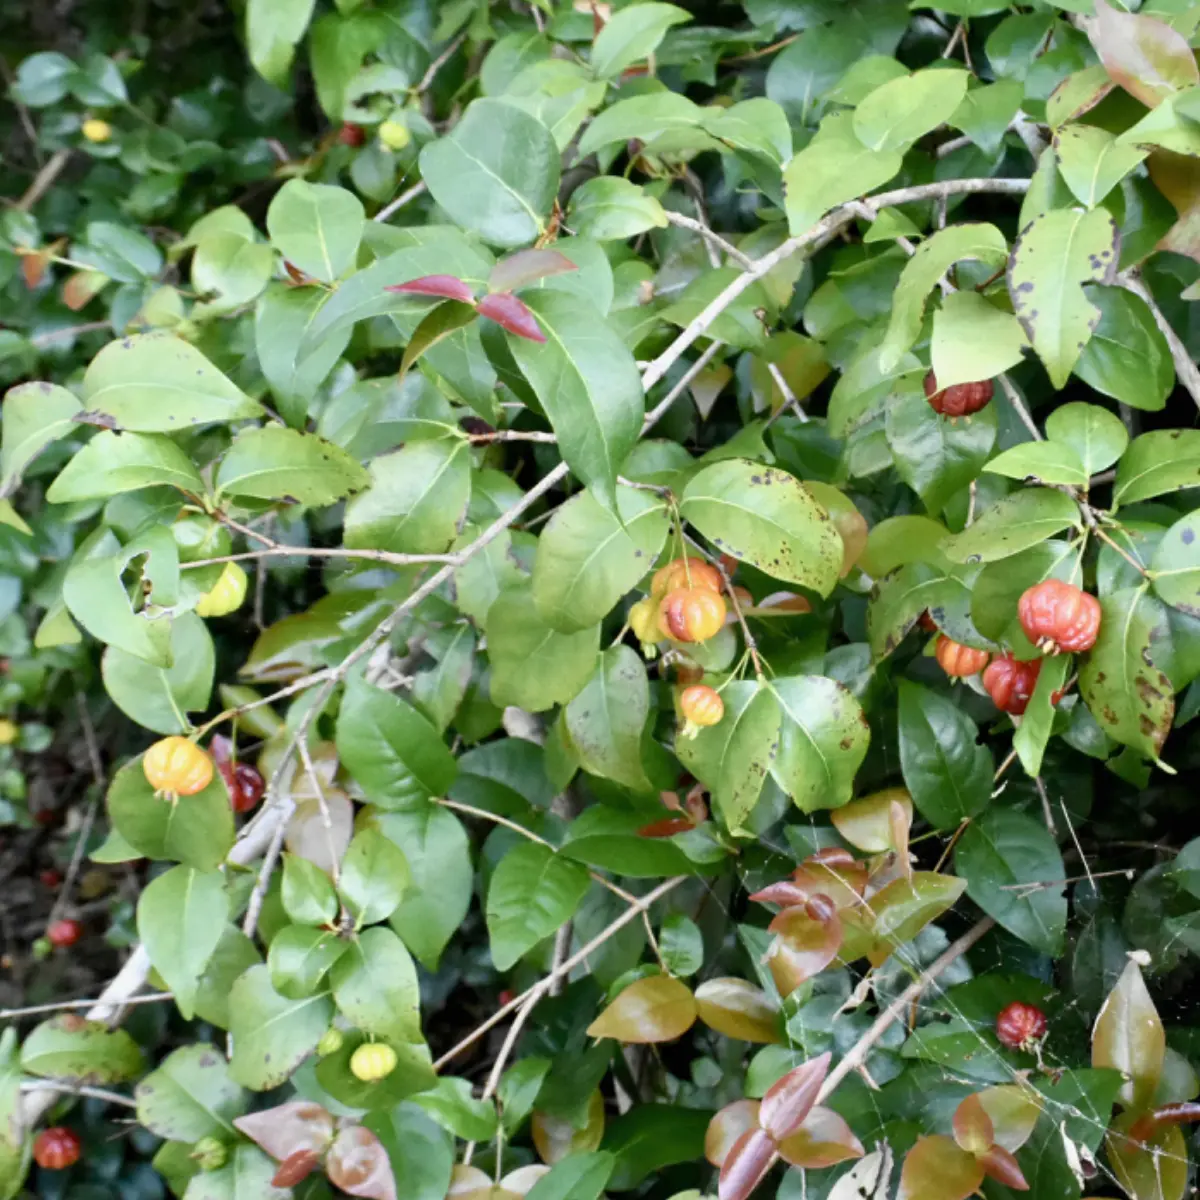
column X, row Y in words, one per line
column 449, row 287
column 511, row 314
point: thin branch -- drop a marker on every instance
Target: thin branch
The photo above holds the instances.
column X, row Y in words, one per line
column 1047, row 811
column 33, row 1010
column 514, row 435
column 1014, row 398
column 68, row 1088
column 656, row 413
column 439, row 62
column 280, row 551
column 728, row 248
column 1185, row 366
column 43, row 180
column 55, row 335
column 632, row 913
column 417, row 189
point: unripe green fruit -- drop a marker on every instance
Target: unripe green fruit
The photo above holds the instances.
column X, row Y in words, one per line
column 373, row 1061
column 331, row 1042
column 209, row 1154
column 394, row 135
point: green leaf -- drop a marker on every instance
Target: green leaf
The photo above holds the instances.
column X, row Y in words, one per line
column 1014, row 523
column 609, row 208
column 273, row 27
column 274, row 463
column 112, row 463
column 533, row 893
column 43, row 79
column 442, row 880
column 985, row 113
column 496, row 173
column 307, row 892
column 247, row 1173
column 1127, row 357
column 156, row 383
column 577, row 1177
column 190, row 1096
column 1047, row 462
column 293, row 368
column 390, row 749
column 439, row 691
column 416, row 501
column 235, row 954
column 932, row 259
column 945, row 768
column 180, row 916
column 230, row 271
column 452, row 1104
column 936, row 457
column 607, row 718
column 316, row 227
column 1056, row 255
column 895, row 115
column 1132, row 700
column 1097, row 436
column 610, row 840
column 631, row 35
column 272, row 1035
column 420, row 1153
column 34, row 415
column 1092, row 162
column 86, row 1051
column 898, row 600
column 767, row 518
column 833, row 168
column 1004, row 855
column 442, row 322
column 195, row 830
column 587, row 382
column 375, row 876
column 734, row 756
column 1163, row 460
column 158, row 698
column 300, row 957
column 533, row 665
column 740, row 323
column 652, row 1136
column 587, row 558
column 375, row 986
column 1175, row 567
column 973, row 339
column 823, row 740
column 1037, row 723
column 682, row 945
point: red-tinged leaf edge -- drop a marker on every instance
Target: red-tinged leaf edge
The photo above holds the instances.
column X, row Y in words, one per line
column 449, row 287
column 295, row 1169
column 511, row 314
column 745, row 1164
column 789, row 1100
column 527, row 266
column 287, row 1129
column 1000, row 1165
column 358, row 1164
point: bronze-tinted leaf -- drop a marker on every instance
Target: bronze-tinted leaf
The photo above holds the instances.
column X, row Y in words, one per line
column 358, row 1164
column 746, row 1163
column 527, row 266
column 1129, row 1037
column 295, row 1168
column 738, row 1010
column 935, row 1166
column 512, row 314
column 823, row 1140
column 288, row 1128
column 1000, row 1165
column 802, row 948
column 555, row 1138
column 469, row 1183
column 520, row 1182
column 658, row 1008
column 973, row 1127
column 1013, row 1110
column 789, row 1100
column 867, row 823
column 906, row 906
column 449, row 287
column 732, row 1122
column 1150, row 1168
column 1146, row 56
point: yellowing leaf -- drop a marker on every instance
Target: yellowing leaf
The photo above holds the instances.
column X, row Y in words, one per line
column 655, row 1009
column 1129, row 1037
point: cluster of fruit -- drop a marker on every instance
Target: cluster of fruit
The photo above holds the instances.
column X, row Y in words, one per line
column 685, row 603
column 1055, row 616
column 175, row 766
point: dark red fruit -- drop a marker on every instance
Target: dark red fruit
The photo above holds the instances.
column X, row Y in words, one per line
column 50, row 877
column 247, row 788
column 1020, row 1026
column 927, row 623
column 57, row 1148
column 1010, row 683
column 1059, row 616
column 960, row 400
column 352, row 135
column 64, row 933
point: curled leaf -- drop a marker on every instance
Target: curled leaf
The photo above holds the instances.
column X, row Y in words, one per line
column 449, row 287
column 358, row 1164
column 1000, row 1165
column 658, row 1008
column 512, row 314
column 789, row 1100
column 746, row 1163
column 727, row 1126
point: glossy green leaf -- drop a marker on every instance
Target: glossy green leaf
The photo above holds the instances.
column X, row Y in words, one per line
column 631, row 34
column 607, row 718
column 273, row 27
column 451, row 1103
column 1175, row 567
column 316, row 227
column 579, row 1177
column 190, row 1096
column 374, row 877
column 1096, row 435
column 273, row 463
column 895, row 115
column 112, row 463
column 271, row 1034
column 1047, row 462
column 375, row 986
column 307, row 892
column 1161, row 461
column 609, row 208
column 1127, row 357
column 1013, row 524
column 68, row 1047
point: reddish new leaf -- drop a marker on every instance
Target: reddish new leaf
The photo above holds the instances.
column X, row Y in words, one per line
column 510, row 313
column 526, row 266
column 1146, row 56
column 289, row 1128
column 666, row 827
column 1013, row 1110
column 823, row 1140
column 358, row 1164
column 449, row 287
column 789, row 1100
column 1000, row 1165
column 868, row 823
column 935, row 1166
column 295, row 1168
column 803, row 948
column 973, row 1129
column 727, row 1126
column 745, row 1164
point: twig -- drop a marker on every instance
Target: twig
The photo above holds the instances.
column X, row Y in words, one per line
column 1047, row 811
column 54, row 335
column 640, row 905
column 655, row 414
column 728, row 248
column 417, row 189
column 439, row 62
column 514, row 435
column 1014, row 398
column 279, row 551
column 67, row 1088
column 32, row 1010
column 43, row 180
column 326, row 819
column 1185, row 367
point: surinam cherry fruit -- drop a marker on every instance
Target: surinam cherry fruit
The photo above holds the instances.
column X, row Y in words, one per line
column 246, row 789
column 692, row 614
column 351, row 134
column 643, row 620
column 700, row 705
column 959, row 661
column 685, row 573
column 57, row 1148
column 372, row 1061
column 960, row 399
column 226, row 594
column 1021, row 1026
column 64, row 933
column 96, row 130
column 1010, row 683
column 176, row 766
column 1059, row 616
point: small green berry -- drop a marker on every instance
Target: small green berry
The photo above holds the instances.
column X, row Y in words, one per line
column 209, row 1154
column 330, row 1043
column 394, row 135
